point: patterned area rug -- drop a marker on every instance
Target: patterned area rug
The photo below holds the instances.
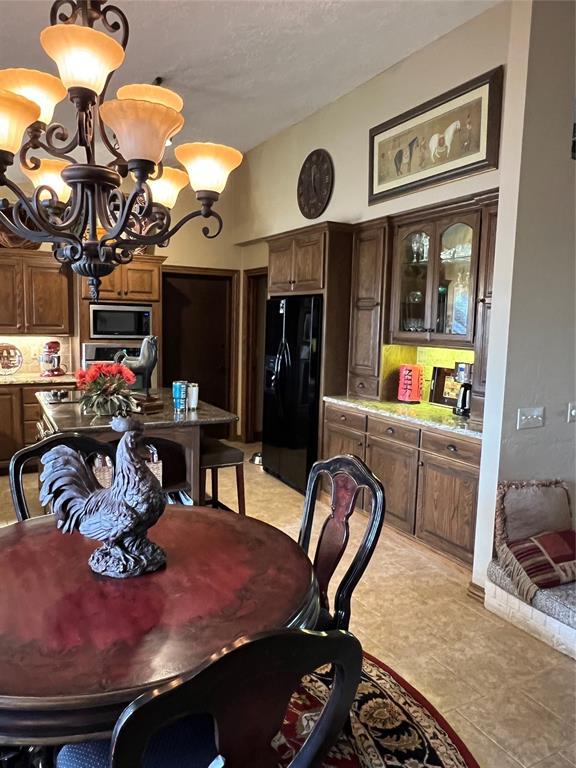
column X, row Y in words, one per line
column 391, row 725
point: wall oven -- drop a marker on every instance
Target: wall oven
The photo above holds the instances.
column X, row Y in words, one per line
column 127, row 321
column 104, row 353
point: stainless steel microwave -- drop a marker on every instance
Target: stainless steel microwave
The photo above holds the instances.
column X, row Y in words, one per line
column 124, row 321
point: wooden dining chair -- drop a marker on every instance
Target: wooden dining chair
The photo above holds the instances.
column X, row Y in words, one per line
column 87, row 446
column 232, row 706
column 349, row 475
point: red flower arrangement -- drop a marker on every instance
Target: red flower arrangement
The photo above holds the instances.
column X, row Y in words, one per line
column 105, row 388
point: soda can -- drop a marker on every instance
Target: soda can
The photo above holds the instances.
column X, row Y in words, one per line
column 179, row 392
column 192, row 397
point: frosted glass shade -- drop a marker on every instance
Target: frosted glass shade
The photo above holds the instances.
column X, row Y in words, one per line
column 40, row 87
column 141, row 127
column 49, row 175
column 166, row 189
column 208, row 165
column 153, row 93
column 16, row 114
column 85, row 57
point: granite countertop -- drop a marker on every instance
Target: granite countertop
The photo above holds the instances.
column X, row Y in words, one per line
column 53, row 382
column 69, row 417
column 421, row 414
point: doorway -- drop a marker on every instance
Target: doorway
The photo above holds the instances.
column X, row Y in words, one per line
column 255, row 292
column 199, row 333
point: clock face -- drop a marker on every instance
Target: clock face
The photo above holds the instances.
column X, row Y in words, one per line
column 315, row 183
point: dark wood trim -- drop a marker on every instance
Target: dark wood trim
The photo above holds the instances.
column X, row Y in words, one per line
column 247, row 379
column 325, row 226
column 494, row 79
column 234, row 275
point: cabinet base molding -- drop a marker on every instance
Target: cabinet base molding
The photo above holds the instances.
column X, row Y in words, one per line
column 476, row 592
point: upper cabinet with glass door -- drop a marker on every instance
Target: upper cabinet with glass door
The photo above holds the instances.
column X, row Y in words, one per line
column 434, row 282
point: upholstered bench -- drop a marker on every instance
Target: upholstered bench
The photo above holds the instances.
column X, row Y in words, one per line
column 529, row 584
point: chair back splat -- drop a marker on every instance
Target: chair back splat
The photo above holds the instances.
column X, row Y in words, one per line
column 349, row 475
column 87, row 446
column 246, row 688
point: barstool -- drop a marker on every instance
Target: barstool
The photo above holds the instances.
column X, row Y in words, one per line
column 215, row 455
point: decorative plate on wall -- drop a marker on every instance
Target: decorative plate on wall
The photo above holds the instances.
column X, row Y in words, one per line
column 315, row 183
column 10, row 359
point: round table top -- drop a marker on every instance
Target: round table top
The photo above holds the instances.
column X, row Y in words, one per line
column 71, row 640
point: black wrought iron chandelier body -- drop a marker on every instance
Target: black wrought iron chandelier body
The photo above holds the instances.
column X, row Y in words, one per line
column 99, row 226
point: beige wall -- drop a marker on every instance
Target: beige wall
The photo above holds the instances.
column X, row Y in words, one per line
column 260, row 198
column 532, row 355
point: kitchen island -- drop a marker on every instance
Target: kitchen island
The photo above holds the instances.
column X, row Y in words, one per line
column 183, row 428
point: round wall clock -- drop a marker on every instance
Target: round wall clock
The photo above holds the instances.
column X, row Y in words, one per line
column 315, row 183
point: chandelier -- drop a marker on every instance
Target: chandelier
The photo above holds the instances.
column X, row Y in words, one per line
column 81, row 207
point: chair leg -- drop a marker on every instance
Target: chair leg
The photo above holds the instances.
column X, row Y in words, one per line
column 214, row 473
column 202, row 487
column 240, row 489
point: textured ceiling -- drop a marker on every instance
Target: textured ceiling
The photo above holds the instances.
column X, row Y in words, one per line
column 246, row 68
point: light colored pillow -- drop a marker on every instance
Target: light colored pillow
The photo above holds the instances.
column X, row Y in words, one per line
column 533, row 507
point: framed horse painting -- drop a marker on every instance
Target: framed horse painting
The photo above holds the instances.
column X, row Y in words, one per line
column 452, row 135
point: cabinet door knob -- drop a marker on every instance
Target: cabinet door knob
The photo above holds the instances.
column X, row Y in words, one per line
column 125, row 293
column 420, row 463
column 119, row 293
column 390, row 431
column 342, row 417
column 360, row 445
column 452, row 448
column 361, row 385
column 482, row 300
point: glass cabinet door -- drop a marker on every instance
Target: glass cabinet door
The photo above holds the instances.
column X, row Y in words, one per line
column 415, row 254
column 455, row 279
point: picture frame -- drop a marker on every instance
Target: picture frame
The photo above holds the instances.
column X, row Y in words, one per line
column 450, row 136
column 443, row 387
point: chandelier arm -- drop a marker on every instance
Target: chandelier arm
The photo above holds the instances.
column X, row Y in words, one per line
column 121, row 25
column 160, row 237
column 56, row 17
column 127, row 210
column 57, row 132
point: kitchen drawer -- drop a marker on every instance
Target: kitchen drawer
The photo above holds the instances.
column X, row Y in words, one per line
column 32, row 411
column 363, row 386
column 452, row 447
column 392, row 430
column 350, row 419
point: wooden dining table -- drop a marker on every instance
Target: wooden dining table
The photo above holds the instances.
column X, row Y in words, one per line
column 76, row 648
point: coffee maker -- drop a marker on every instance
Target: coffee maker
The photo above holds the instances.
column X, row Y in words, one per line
column 463, row 375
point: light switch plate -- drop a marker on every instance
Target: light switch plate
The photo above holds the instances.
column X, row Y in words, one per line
column 571, row 413
column 530, row 418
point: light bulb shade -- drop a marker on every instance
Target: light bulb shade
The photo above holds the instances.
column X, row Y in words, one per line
column 153, row 93
column 16, row 114
column 85, row 57
column 49, row 174
column 40, row 87
column 166, row 189
column 141, row 127
column 208, row 165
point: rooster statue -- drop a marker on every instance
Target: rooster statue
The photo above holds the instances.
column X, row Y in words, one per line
column 119, row 516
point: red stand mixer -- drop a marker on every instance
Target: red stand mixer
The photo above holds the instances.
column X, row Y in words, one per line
column 51, row 361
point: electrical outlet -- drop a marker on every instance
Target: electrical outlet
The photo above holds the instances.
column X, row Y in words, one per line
column 571, row 414
column 530, row 418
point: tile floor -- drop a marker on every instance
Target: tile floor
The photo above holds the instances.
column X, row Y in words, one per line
column 510, row 697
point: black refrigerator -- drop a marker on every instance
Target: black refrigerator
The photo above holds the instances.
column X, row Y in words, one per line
column 291, row 387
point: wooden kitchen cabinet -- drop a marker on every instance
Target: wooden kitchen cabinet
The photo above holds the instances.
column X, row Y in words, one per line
column 368, row 310
column 484, row 308
column 35, row 294
column 339, row 440
column 46, row 297
column 11, row 433
column 396, row 465
column 11, row 295
column 434, row 280
column 296, row 263
column 138, row 281
column 446, row 507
